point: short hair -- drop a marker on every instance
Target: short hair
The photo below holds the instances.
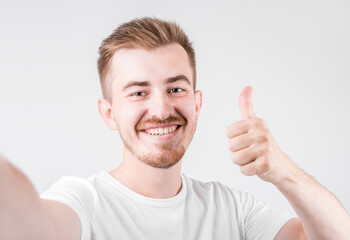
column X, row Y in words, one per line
column 146, row 33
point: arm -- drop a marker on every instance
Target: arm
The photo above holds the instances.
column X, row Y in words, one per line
column 320, row 212
column 23, row 215
column 292, row 230
column 257, row 153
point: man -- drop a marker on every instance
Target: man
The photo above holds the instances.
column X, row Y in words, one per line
column 148, row 78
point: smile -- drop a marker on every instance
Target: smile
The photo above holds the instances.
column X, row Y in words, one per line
column 161, row 130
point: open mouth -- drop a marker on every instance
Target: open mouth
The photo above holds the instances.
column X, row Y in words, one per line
column 161, row 130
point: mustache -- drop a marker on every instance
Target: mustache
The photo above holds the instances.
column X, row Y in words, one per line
column 169, row 120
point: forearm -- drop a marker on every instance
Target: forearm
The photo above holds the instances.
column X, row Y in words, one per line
column 320, row 212
column 257, row 153
column 21, row 212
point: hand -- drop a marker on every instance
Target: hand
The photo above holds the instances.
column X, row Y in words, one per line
column 253, row 147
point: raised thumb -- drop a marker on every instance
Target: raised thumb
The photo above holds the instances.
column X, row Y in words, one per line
column 245, row 103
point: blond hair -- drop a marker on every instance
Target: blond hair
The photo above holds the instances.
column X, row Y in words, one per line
column 146, row 33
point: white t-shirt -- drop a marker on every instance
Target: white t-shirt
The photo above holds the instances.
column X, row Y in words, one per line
column 107, row 209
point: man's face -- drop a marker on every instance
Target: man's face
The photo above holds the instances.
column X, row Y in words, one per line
column 154, row 106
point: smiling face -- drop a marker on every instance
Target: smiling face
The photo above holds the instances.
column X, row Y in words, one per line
column 154, row 106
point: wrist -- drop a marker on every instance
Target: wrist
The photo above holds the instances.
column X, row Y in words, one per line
column 293, row 178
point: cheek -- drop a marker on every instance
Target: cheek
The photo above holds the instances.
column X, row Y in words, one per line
column 128, row 115
column 187, row 107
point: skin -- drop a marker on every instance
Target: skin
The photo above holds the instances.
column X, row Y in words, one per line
column 132, row 106
column 24, row 215
column 159, row 99
column 144, row 98
column 151, row 164
column 254, row 150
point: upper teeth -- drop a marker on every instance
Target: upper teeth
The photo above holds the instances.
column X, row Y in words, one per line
column 161, row 131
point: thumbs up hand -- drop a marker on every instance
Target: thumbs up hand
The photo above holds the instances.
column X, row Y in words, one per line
column 253, row 147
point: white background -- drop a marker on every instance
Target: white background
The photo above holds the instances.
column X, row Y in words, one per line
column 295, row 55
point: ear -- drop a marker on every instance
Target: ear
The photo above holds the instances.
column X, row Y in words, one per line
column 105, row 110
column 198, row 98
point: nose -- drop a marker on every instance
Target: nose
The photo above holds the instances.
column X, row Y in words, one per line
column 160, row 106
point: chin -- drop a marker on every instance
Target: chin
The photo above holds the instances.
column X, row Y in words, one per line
column 163, row 160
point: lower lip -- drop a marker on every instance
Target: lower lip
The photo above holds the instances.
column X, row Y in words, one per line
column 163, row 136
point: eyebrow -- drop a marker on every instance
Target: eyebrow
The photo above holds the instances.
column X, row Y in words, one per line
column 147, row 83
column 178, row 78
column 136, row 83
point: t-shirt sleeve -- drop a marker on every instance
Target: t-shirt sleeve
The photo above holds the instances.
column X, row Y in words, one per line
column 78, row 194
column 260, row 220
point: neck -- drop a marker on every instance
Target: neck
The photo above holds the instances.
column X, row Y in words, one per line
column 147, row 180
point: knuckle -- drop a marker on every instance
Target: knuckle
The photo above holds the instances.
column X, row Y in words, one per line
column 227, row 131
column 231, row 145
column 264, row 166
column 234, row 158
column 261, row 152
column 230, row 130
column 269, row 146
column 247, row 171
column 243, row 170
column 262, row 138
column 259, row 123
column 264, row 131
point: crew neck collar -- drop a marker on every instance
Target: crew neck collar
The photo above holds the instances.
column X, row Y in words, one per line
column 147, row 200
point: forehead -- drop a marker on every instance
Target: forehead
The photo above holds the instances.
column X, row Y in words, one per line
column 153, row 65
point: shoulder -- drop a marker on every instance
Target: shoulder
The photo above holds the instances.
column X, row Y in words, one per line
column 79, row 194
column 215, row 190
column 73, row 191
column 72, row 183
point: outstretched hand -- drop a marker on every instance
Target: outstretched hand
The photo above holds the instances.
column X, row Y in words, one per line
column 253, row 147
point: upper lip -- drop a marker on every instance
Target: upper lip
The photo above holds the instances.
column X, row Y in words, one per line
column 157, row 123
column 160, row 126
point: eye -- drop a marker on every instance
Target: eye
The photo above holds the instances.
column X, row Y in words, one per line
column 138, row 94
column 176, row 90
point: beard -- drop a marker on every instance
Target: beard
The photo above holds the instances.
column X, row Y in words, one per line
column 167, row 154
column 164, row 159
